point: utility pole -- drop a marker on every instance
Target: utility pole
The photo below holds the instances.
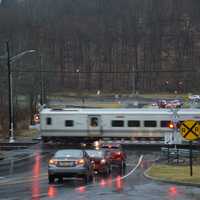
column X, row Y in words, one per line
column 134, row 86
column 10, row 96
column 41, row 82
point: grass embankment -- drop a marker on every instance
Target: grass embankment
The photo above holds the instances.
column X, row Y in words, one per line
column 165, row 95
column 175, row 173
column 108, row 105
column 26, row 134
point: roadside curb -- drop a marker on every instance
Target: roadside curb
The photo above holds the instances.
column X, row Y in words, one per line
column 169, row 181
column 2, row 156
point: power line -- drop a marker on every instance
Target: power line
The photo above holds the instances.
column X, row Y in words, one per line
column 105, row 72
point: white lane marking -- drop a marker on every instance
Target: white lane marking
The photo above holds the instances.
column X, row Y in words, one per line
column 133, row 170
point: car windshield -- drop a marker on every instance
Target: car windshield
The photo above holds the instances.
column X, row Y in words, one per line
column 95, row 153
column 69, row 153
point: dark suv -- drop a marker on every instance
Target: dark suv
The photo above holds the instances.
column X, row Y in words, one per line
column 100, row 160
column 116, row 155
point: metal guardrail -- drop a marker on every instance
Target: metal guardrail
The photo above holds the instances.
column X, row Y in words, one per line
column 12, row 147
column 180, row 152
column 17, row 145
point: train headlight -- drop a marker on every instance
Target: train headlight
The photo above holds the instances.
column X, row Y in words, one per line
column 171, row 125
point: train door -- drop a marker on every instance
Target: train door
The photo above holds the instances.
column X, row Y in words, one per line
column 94, row 125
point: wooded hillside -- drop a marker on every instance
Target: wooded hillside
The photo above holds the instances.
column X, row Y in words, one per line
column 107, row 45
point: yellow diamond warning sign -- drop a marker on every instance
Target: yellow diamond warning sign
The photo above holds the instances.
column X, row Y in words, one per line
column 190, row 130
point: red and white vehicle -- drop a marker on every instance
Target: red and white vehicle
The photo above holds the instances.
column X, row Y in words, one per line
column 170, row 103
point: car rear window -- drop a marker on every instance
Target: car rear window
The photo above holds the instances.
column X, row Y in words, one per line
column 69, row 153
column 94, row 153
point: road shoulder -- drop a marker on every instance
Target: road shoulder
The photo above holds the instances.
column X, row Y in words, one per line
column 176, row 179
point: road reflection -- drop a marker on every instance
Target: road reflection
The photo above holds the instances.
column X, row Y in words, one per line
column 52, row 191
column 173, row 193
column 80, row 189
column 119, row 184
column 103, row 183
column 36, row 170
column 109, row 182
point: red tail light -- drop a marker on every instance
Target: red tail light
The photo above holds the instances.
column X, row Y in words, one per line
column 80, row 162
column 103, row 161
column 116, row 154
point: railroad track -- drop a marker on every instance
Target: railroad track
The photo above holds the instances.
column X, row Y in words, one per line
column 16, row 145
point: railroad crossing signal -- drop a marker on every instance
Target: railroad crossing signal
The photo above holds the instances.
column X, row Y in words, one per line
column 36, row 118
column 190, row 130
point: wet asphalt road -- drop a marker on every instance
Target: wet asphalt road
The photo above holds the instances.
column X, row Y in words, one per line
column 29, row 181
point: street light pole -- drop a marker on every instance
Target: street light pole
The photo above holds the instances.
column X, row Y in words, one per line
column 10, row 96
column 10, row 88
column 42, row 100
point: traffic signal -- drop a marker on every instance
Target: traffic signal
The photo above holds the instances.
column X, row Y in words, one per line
column 37, row 118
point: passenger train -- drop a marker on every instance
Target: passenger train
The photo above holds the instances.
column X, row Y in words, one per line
column 96, row 123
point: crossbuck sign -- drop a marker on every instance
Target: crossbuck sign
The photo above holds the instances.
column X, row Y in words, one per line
column 190, row 130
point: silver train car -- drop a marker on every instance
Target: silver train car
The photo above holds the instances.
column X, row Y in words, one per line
column 96, row 123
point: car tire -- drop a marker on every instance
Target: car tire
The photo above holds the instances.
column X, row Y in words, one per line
column 91, row 177
column 60, row 180
column 110, row 169
column 124, row 164
column 105, row 172
column 86, row 178
column 121, row 164
column 51, row 178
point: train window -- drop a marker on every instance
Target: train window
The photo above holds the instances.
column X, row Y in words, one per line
column 93, row 121
column 69, row 123
column 150, row 123
column 133, row 123
column 117, row 123
column 164, row 123
column 48, row 121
